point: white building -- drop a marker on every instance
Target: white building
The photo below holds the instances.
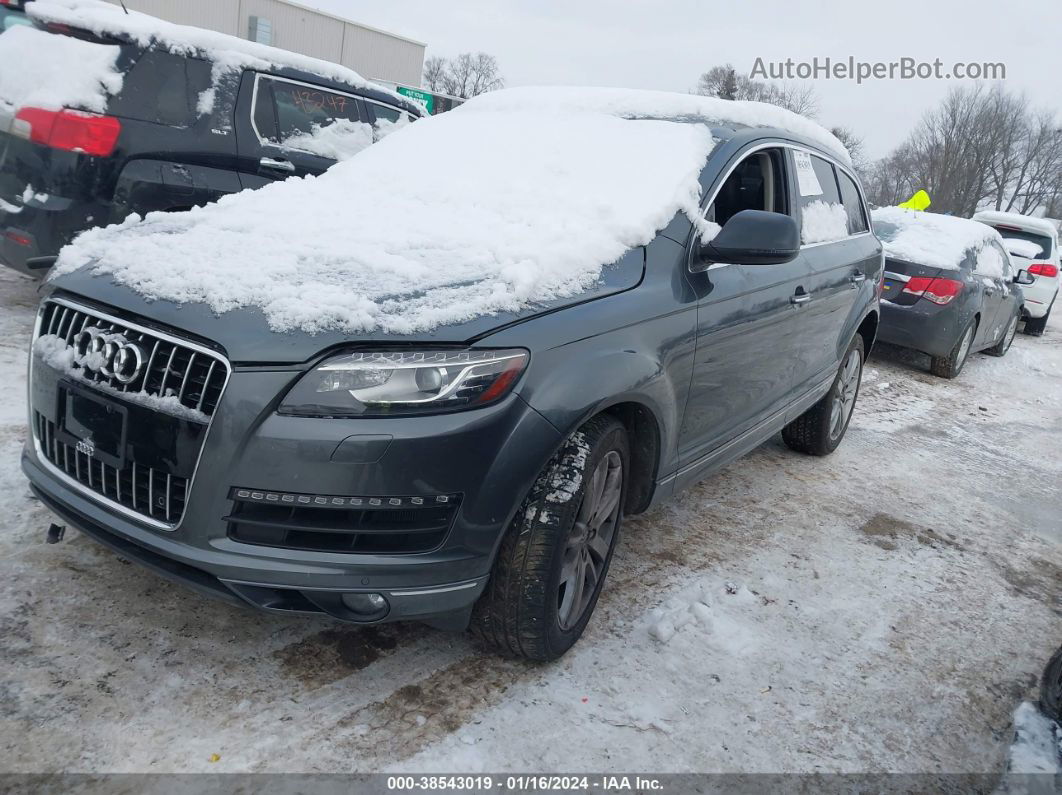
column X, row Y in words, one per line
column 373, row 53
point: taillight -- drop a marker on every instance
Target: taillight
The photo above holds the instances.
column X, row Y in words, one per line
column 1043, row 269
column 71, row 130
column 939, row 291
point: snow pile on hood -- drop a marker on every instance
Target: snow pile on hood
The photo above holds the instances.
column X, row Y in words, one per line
column 451, row 218
column 1022, row 248
column 638, row 103
column 931, row 239
column 56, row 71
column 823, row 221
column 227, row 53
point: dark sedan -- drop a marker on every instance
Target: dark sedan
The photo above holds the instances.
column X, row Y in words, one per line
column 950, row 288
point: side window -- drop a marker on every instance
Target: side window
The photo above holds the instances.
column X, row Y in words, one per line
column 853, row 205
column 758, row 183
column 300, row 108
column 823, row 216
column 384, row 113
column 1008, row 263
column 163, row 88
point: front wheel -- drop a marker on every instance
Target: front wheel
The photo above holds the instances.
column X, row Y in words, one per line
column 820, row 429
column 1001, row 347
column 554, row 557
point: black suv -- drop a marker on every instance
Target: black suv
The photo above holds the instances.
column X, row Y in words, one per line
column 64, row 171
column 476, row 470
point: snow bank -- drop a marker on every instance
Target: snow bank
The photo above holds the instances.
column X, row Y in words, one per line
column 1022, row 248
column 823, row 221
column 461, row 215
column 931, row 239
column 228, row 53
column 56, row 71
column 1037, row 746
column 638, row 103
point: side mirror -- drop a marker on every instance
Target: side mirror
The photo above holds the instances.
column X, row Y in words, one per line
column 1024, row 277
column 752, row 237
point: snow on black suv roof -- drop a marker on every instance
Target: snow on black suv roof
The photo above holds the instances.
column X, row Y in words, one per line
column 111, row 115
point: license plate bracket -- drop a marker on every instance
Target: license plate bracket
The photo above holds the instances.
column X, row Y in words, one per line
column 92, row 424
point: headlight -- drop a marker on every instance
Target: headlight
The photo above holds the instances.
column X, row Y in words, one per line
column 399, row 382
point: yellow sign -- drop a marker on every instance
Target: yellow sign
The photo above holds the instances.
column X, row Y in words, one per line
column 917, row 202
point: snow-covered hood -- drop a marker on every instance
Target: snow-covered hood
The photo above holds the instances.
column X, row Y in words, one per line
column 488, row 211
column 247, row 338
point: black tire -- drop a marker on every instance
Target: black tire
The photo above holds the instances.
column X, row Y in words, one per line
column 1011, row 331
column 951, row 365
column 520, row 612
column 815, row 432
column 1051, row 688
column 1035, row 327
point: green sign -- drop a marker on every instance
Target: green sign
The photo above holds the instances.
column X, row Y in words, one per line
column 418, row 96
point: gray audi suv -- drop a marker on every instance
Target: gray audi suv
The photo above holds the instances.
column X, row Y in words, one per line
column 472, row 471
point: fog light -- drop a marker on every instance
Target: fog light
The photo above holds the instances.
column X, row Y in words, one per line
column 367, row 606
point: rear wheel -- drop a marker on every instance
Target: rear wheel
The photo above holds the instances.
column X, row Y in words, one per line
column 553, row 560
column 820, row 429
column 951, row 365
column 1001, row 347
column 1035, row 327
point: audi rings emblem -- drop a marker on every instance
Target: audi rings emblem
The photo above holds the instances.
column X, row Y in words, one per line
column 109, row 355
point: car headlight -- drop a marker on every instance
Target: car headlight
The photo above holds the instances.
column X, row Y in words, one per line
column 404, row 382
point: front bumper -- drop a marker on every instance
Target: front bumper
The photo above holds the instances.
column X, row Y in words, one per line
column 923, row 326
column 489, row 456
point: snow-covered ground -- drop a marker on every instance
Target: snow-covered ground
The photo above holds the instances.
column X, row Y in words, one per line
column 884, row 609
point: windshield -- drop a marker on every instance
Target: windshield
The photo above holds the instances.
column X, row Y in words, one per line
column 1043, row 241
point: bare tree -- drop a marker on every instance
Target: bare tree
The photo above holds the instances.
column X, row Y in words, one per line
column 434, row 73
column 853, row 143
column 724, row 82
column 466, row 76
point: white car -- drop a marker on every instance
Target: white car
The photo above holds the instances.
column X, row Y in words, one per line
column 1033, row 246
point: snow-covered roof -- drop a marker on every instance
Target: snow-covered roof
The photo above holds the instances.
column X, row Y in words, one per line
column 932, row 239
column 633, row 103
column 225, row 51
column 1026, row 222
column 473, row 212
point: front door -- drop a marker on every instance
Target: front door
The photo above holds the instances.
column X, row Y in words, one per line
column 748, row 324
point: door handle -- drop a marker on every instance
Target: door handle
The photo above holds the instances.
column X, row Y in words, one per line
column 800, row 298
column 858, row 277
column 277, row 164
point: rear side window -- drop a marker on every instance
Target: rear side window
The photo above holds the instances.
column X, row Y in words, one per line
column 823, row 215
column 284, row 109
column 384, row 113
column 163, row 88
column 853, row 204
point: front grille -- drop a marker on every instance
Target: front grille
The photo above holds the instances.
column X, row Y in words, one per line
column 196, row 378
column 380, row 525
column 155, row 494
column 152, row 476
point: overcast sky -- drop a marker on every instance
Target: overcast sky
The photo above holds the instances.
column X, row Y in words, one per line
column 668, row 43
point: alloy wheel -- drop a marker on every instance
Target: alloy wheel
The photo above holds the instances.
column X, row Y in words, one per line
column 590, row 540
column 845, row 396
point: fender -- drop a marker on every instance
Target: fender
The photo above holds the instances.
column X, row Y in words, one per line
column 146, row 185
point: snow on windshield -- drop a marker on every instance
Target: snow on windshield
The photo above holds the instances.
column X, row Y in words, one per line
column 56, row 71
column 931, row 239
column 453, row 217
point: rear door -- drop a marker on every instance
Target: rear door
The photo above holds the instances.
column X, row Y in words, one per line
column 842, row 260
column 993, row 268
column 287, row 128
